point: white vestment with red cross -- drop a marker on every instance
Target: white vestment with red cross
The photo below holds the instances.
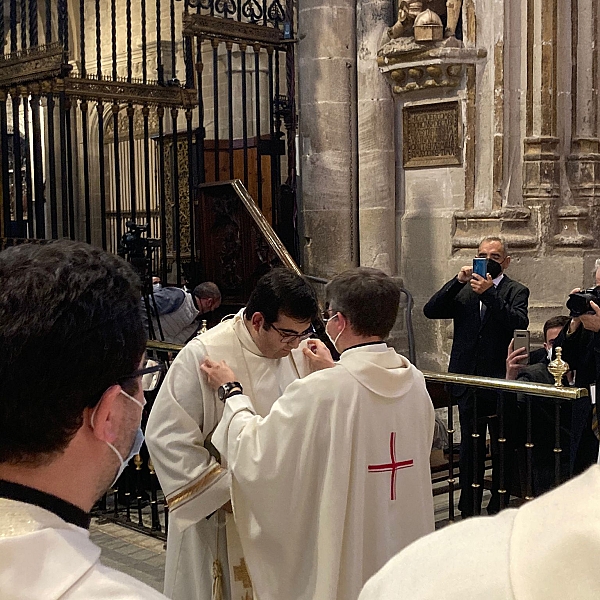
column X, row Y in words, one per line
column 335, row 480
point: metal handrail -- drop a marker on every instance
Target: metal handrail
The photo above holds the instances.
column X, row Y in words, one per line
column 524, row 387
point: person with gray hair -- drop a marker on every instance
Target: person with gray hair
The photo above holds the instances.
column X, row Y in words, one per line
column 179, row 312
column 485, row 312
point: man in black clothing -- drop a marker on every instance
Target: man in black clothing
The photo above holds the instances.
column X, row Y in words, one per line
column 485, row 311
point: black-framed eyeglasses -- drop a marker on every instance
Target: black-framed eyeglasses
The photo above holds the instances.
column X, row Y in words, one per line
column 288, row 336
column 141, row 372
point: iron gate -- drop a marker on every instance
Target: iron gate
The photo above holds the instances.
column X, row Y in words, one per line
column 113, row 110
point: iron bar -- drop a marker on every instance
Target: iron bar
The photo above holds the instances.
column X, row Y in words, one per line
column 173, row 45
column 113, row 37
column 101, row 170
column 17, row 158
column 229, row 46
column 82, row 37
column 132, row 172
column 144, row 48
column 13, row 25
column 215, row 47
column 83, row 106
column 117, row 170
column 28, row 170
column 98, row 42
column 264, row 12
column 175, row 192
column 50, row 105
column 273, row 157
column 476, row 485
column 48, row 21
column 23, row 16
column 557, row 445
column 451, row 479
column 146, row 114
column 160, row 69
column 200, row 132
column 154, row 485
column 502, row 452
column 259, row 193
column 192, row 182
column 244, row 112
column 38, row 174
column 528, row 450
column 162, row 191
column 189, row 63
column 128, row 25
column 5, row 167
column 2, row 32
column 33, row 23
column 70, row 181
column 63, row 165
column 139, row 487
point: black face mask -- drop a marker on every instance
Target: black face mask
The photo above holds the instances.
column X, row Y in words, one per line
column 493, row 268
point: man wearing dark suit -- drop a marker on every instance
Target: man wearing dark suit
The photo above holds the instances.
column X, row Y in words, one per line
column 485, row 311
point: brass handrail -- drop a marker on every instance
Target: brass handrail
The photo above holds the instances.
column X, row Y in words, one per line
column 164, row 346
column 524, row 387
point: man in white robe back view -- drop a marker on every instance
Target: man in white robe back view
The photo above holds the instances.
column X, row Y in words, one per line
column 259, row 341
column 71, row 402
column 336, row 479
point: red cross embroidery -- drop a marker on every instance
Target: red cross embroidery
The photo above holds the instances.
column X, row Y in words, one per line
column 392, row 466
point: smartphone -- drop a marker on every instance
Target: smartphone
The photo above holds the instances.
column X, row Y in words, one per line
column 480, row 266
column 521, row 337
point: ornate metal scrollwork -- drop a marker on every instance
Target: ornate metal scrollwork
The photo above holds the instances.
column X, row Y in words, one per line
column 252, row 10
column 226, row 7
column 275, row 12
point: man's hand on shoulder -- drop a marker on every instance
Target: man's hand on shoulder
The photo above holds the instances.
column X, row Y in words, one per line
column 217, row 373
column 592, row 322
column 465, row 274
column 514, row 364
column 480, row 285
column 317, row 356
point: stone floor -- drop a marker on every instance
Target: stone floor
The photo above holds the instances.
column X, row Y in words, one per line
column 131, row 552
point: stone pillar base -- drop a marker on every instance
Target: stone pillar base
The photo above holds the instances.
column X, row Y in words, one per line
column 541, row 168
column 583, row 170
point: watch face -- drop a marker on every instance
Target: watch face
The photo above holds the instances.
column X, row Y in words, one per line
column 222, row 392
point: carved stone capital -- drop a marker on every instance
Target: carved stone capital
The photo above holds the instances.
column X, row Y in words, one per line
column 424, row 67
column 583, row 170
column 511, row 223
column 541, row 168
column 573, row 226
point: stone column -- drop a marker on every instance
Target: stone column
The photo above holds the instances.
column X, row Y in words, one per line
column 328, row 123
column 583, row 164
column 376, row 150
column 541, row 167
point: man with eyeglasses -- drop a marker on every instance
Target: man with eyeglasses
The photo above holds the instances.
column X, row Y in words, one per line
column 485, row 312
column 203, row 551
column 335, row 479
column 71, row 403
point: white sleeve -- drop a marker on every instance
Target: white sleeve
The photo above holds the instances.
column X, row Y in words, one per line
column 182, row 415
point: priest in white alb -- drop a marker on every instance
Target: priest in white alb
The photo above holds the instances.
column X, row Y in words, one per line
column 335, row 479
column 204, row 559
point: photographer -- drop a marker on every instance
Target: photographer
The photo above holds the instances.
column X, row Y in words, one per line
column 179, row 312
column 580, row 342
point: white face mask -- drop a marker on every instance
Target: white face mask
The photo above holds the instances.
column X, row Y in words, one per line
column 337, row 337
column 135, row 448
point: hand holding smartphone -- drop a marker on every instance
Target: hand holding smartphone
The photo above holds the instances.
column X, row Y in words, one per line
column 480, row 267
column 521, row 337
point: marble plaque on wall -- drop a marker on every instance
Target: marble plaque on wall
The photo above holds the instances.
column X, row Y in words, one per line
column 432, row 135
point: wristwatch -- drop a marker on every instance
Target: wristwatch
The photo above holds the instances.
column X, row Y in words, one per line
column 228, row 388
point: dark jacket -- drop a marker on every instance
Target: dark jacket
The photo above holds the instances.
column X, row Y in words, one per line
column 480, row 348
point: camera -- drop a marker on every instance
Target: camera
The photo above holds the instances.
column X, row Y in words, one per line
column 133, row 245
column 579, row 302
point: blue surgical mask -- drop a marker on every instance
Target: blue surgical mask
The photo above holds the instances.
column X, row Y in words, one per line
column 135, row 448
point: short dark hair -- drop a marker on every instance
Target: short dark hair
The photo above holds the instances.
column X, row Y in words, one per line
column 283, row 291
column 70, row 327
column 558, row 321
column 367, row 297
column 495, row 238
column 208, row 289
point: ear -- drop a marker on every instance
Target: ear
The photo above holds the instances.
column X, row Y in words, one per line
column 257, row 321
column 343, row 321
column 506, row 262
column 106, row 415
